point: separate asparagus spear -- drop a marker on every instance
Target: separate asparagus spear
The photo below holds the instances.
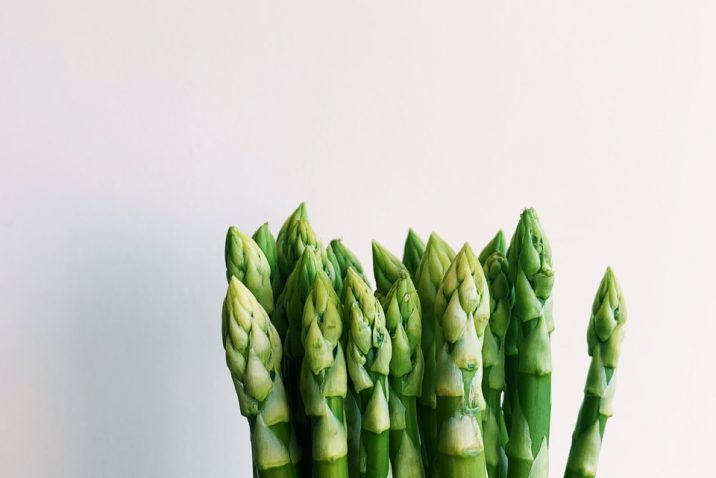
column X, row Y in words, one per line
column 496, row 244
column 290, row 241
column 604, row 337
column 246, row 262
column 530, row 266
column 368, row 358
column 413, row 252
column 435, row 261
column 324, row 379
column 462, row 309
column 386, row 269
column 402, row 316
column 496, row 270
column 267, row 243
column 253, row 355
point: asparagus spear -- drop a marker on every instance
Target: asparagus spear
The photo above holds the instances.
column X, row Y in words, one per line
column 246, row 262
column 435, row 261
column 324, row 379
column 267, row 244
column 496, row 270
column 402, row 316
column 462, row 309
column 386, row 269
column 413, row 252
column 253, row 355
column 496, row 244
column 530, row 267
column 291, row 241
column 368, row 353
column 604, row 337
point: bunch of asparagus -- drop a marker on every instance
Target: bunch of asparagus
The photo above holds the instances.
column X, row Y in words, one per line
column 444, row 370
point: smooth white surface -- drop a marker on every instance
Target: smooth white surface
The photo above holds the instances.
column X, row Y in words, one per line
column 133, row 133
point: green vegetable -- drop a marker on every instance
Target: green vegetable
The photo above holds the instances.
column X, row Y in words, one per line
column 253, row 355
column 462, row 309
column 324, row 379
column 343, row 258
column 292, row 238
column 496, row 244
column 413, row 252
column 368, row 357
column 266, row 242
column 246, row 262
column 530, row 266
column 402, row 316
column 433, row 265
column 386, row 269
column 604, row 337
column 496, row 270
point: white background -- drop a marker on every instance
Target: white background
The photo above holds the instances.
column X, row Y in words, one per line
column 133, row 133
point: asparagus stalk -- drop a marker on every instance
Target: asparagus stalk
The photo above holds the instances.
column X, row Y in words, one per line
column 246, row 262
column 413, row 252
column 386, row 269
column 462, row 309
column 435, row 261
column 253, row 355
column 530, row 267
column 496, row 270
column 604, row 337
column 267, row 244
column 324, row 379
column 368, row 358
column 402, row 316
column 292, row 238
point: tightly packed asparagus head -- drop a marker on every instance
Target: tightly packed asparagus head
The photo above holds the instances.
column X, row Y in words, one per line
column 462, row 310
column 253, row 355
column 436, row 259
column 413, row 252
column 247, row 262
column 386, row 269
column 530, row 375
column 323, row 381
column 604, row 337
column 402, row 316
column 368, row 354
column 443, row 371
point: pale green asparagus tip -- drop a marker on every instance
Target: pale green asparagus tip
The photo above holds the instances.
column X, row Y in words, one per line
column 253, row 348
column 606, row 326
column 246, row 261
column 413, row 252
column 403, row 319
column 386, row 269
column 342, row 259
column 267, row 244
column 298, row 286
column 496, row 244
column 369, row 347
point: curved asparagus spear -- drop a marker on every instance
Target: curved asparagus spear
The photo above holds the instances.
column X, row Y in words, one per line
column 604, row 337
column 435, row 261
column 462, row 309
column 496, row 244
column 493, row 360
column 386, row 269
column 246, row 262
column 368, row 353
column 413, row 252
column 267, row 243
column 530, row 265
column 253, row 355
column 324, row 379
column 402, row 316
